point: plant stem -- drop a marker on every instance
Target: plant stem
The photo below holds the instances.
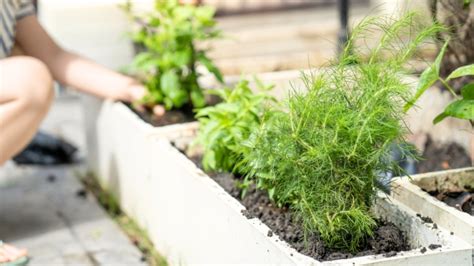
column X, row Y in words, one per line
column 450, row 89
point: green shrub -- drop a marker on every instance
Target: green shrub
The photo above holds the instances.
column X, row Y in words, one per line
column 168, row 64
column 225, row 126
column 323, row 154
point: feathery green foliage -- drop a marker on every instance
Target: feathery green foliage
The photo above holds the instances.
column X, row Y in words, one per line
column 323, row 153
column 225, row 126
column 168, row 64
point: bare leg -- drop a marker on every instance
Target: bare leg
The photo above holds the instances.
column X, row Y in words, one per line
column 25, row 96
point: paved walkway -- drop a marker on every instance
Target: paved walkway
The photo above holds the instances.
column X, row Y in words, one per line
column 41, row 209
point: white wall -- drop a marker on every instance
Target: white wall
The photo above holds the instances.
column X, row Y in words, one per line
column 96, row 29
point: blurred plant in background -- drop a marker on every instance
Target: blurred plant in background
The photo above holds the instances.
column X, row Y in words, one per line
column 458, row 17
column 168, row 64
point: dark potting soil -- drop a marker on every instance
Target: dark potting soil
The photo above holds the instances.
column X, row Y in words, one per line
column 169, row 118
column 443, row 157
column 463, row 201
column 388, row 239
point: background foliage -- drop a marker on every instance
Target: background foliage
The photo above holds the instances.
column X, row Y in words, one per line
column 458, row 17
column 168, row 64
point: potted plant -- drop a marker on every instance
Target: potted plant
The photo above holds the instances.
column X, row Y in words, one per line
column 170, row 65
column 334, row 136
column 310, row 169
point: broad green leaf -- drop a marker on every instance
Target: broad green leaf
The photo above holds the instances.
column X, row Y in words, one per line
column 428, row 77
column 205, row 15
column 463, row 109
column 171, row 87
column 209, row 160
column 229, row 108
column 169, row 82
column 142, row 61
column 198, row 99
column 440, row 118
column 182, row 58
column 155, row 22
column 179, row 97
column 183, row 12
column 210, row 66
column 156, row 96
column 462, row 71
column 467, row 91
column 168, row 103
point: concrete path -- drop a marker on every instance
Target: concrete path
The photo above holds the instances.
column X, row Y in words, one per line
column 40, row 208
column 44, row 210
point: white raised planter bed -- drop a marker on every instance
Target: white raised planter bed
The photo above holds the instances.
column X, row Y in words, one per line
column 410, row 192
column 192, row 220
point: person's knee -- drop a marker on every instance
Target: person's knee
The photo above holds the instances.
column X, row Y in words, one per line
column 37, row 92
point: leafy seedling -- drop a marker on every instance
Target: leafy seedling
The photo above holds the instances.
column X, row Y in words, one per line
column 225, row 126
column 168, row 66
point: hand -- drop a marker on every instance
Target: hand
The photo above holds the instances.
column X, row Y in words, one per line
column 135, row 92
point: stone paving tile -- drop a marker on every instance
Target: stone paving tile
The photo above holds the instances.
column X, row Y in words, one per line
column 57, row 226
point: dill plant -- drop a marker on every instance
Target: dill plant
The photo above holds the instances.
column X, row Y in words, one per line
column 225, row 126
column 322, row 154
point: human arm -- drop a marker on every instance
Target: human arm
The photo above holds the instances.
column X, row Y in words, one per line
column 73, row 70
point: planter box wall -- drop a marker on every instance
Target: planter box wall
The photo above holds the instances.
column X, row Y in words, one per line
column 409, row 191
column 165, row 193
column 205, row 210
column 192, row 220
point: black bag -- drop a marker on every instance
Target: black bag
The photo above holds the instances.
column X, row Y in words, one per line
column 45, row 149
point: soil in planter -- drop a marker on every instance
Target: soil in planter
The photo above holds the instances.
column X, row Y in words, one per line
column 169, row 118
column 462, row 201
column 443, row 157
column 388, row 239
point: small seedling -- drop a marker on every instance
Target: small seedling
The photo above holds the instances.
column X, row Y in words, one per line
column 225, row 126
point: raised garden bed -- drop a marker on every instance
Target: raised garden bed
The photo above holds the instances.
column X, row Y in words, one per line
column 421, row 234
column 191, row 219
column 443, row 196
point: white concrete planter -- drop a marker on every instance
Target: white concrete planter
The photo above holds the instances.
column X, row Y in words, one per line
column 409, row 191
column 192, row 220
column 119, row 150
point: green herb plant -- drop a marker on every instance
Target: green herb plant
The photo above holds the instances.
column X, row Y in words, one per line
column 463, row 106
column 322, row 154
column 225, row 126
column 168, row 66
